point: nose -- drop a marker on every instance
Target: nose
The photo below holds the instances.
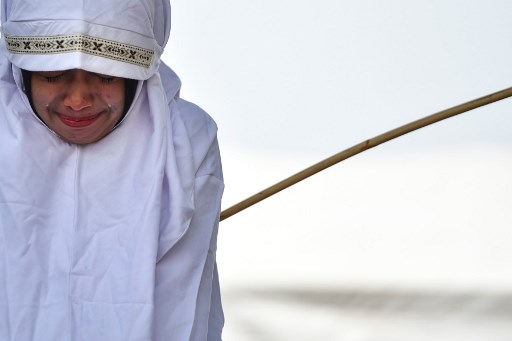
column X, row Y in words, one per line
column 78, row 95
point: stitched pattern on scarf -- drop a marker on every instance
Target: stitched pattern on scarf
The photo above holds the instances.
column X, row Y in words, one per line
column 81, row 43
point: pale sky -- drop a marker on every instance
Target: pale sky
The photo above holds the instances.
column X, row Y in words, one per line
column 318, row 76
column 293, row 82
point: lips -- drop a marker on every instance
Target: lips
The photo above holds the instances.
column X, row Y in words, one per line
column 78, row 122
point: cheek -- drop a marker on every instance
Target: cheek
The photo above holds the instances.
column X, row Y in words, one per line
column 114, row 95
column 37, row 94
column 43, row 91
column 41, row 97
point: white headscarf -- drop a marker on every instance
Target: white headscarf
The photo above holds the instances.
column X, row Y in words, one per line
column 114, row 240
column 87, row 34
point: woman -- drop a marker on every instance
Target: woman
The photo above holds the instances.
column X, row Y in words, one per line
column 110, row 183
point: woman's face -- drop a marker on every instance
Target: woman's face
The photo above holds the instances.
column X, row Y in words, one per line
column 80, row 106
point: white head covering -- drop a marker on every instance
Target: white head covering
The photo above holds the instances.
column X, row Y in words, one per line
column 114, row 240
column 87, row 34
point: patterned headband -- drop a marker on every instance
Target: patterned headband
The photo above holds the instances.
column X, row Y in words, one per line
column 81, row 43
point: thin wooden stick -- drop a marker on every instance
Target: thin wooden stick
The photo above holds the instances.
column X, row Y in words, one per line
column 363, row 146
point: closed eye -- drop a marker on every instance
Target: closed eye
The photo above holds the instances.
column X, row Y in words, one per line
column 105, row 78
column 53, row 79
column 50, row 76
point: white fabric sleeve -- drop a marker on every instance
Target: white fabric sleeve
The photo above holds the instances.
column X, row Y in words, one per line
column 216, row 320
column 187, row 294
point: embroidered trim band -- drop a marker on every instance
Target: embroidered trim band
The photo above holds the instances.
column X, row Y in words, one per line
column 81, row 43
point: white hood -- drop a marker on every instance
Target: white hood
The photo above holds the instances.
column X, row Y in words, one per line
column 87, row 34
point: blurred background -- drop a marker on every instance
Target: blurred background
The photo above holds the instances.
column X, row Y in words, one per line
column 408, row 241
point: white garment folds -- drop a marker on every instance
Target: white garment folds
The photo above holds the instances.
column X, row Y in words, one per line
column 115, row 240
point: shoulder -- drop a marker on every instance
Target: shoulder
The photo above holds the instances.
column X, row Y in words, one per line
column 194, row 130
column 196, row 120
column 194, row 136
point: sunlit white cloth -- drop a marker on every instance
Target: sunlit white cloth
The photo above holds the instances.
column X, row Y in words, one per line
column 115, row 240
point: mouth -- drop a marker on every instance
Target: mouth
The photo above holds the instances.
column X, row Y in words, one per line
column 78, row 122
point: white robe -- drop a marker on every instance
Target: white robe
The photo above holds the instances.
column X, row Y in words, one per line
column 115, row 240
